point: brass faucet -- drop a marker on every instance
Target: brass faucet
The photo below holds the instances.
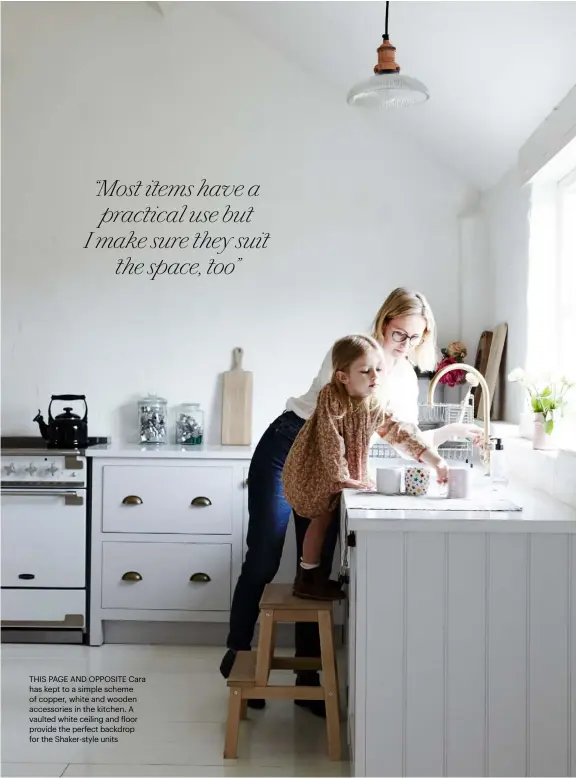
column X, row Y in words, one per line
column 485, row 448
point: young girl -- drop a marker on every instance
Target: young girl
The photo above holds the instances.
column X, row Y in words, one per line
column 330, row 452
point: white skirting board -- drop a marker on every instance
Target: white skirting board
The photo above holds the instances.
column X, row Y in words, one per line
column 189, row 634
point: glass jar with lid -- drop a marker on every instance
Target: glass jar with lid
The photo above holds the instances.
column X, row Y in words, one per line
column 190, row 425
column 152, row 415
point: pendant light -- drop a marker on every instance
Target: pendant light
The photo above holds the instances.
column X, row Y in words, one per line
column 387, row 89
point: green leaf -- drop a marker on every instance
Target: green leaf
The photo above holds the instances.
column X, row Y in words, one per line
column 547, row 392
column 536, row 405
column 549, row 426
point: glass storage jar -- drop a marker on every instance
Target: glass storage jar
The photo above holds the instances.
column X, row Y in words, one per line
column 190, row 425
column 152, row 415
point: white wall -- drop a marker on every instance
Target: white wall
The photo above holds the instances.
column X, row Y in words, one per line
column 475, row 281
column 97, row 91
column 506, row 209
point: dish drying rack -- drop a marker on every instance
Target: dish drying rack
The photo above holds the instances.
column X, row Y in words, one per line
column 431, row 417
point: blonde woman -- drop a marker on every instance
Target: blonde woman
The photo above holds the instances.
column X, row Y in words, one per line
column 405, row 328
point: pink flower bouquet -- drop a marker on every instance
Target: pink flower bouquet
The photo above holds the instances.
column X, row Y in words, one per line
column 453, row 353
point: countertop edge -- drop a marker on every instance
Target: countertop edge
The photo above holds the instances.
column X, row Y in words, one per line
column 168, row 451
column 481, row 526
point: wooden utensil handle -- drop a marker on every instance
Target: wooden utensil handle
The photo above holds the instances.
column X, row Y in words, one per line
column 237, row 355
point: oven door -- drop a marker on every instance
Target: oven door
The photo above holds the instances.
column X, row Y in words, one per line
column 43, row 559
column 43, row 538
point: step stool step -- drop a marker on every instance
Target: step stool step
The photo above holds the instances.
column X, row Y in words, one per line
column 279, row 597
column 243, row 672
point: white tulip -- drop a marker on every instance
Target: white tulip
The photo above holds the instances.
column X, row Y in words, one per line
column 516, row 375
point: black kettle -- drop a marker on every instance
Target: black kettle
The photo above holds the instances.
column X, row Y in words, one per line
column 67, row 430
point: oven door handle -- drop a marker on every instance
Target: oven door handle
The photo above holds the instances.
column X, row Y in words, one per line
column 41, row 492
column 71, row 496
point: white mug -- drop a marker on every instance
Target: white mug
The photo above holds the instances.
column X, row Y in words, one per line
column 389, row 480
column 458, row 481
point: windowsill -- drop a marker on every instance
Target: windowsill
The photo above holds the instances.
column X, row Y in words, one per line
column 511, row 433
column 553, row 472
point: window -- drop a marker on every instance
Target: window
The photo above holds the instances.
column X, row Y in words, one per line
column 567, row 274
column 551, row 337
column 567, row 297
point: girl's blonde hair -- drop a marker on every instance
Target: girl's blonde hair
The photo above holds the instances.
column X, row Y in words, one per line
column 403, row 302
column 344, row 352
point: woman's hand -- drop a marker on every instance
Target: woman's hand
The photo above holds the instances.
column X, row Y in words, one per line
column 471, row 431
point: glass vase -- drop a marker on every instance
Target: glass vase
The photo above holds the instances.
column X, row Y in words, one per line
column 542, row 440
column 152, row 415
column 190, row 425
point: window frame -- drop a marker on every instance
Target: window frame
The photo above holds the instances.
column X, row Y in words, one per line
column 552, row 222
column 566, row 189
column 566, row 325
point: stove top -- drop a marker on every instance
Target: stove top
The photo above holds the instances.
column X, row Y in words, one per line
column 13, row 445
column 28, row 462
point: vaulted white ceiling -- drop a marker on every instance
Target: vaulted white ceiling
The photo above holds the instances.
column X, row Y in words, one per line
column 495, row 70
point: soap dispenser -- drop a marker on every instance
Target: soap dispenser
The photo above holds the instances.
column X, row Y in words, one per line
column 498, row 469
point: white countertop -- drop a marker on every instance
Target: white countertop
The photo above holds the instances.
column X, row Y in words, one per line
column 168, row 451
column 540, row 512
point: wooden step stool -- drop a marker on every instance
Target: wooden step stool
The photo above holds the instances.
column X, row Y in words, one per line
column 249, row 678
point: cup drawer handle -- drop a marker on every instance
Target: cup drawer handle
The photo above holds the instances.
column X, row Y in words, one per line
column 131, row 575
column 26, row 576
column 201, row 502
column 200, row 578
column 132, row 499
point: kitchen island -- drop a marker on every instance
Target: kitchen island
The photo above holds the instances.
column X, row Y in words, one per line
column 461, row 634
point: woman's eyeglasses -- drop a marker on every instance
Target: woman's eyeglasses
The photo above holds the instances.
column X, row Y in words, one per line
column 402, row 337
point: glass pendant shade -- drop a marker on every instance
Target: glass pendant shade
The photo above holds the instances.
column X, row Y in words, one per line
column 388, row 90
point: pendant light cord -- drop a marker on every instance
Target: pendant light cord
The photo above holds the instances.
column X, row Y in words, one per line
column 385, row 36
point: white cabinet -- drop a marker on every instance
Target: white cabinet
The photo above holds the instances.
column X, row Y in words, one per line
column 462, row 652
column 167, row 534
column 350, row 639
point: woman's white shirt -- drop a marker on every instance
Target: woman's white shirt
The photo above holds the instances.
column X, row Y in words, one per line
column 305, row 405
column 399, row 395
column 399, row 391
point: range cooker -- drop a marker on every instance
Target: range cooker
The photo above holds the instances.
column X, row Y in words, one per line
column 44, row 526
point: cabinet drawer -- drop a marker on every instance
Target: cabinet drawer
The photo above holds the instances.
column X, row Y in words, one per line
column 43, row 605
column 166, row 576
column 45, row 538
column 193, row 500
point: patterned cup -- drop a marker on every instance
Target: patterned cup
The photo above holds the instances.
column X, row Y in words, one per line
column 417, row 481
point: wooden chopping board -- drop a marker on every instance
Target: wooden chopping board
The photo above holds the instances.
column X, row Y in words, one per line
column 493, row 366
column 481, row 364
column 237, row 389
